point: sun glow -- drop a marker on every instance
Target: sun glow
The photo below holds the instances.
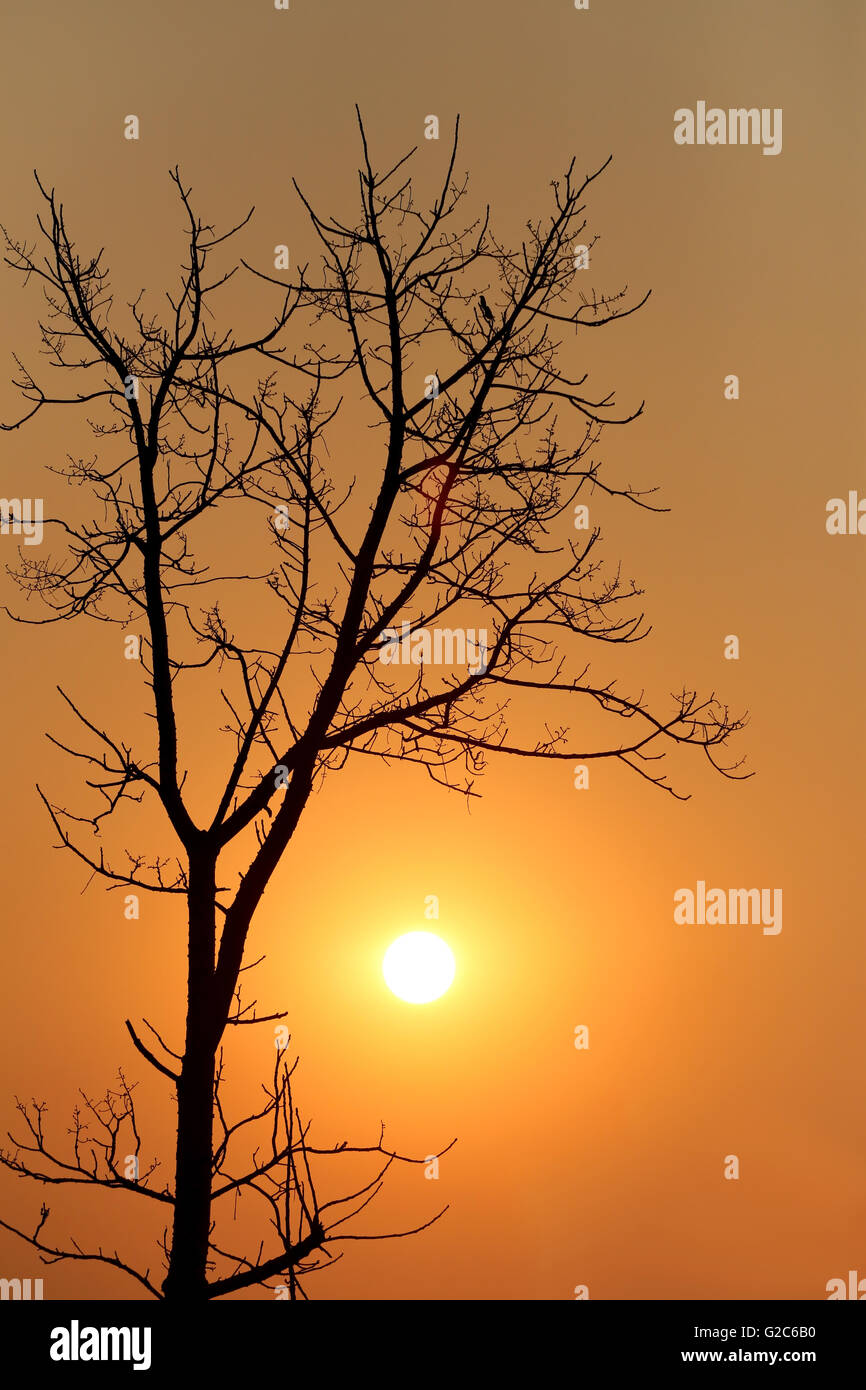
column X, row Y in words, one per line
column 419, row 967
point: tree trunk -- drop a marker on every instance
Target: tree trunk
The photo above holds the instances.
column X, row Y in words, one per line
column 187, row 1273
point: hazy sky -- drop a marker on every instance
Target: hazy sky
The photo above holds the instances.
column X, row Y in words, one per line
column 601, row 1167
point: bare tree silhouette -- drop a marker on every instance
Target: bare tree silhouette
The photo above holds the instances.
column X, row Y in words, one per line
column 478, row 465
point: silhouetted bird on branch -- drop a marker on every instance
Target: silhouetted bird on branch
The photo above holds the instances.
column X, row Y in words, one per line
column 485, row 309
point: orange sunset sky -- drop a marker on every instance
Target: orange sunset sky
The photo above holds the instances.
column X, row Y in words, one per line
column 601, row 1167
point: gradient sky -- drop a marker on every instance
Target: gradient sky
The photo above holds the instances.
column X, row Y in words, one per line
column 602, row 1167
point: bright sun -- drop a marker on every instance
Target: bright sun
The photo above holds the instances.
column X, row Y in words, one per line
column 418, row 967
